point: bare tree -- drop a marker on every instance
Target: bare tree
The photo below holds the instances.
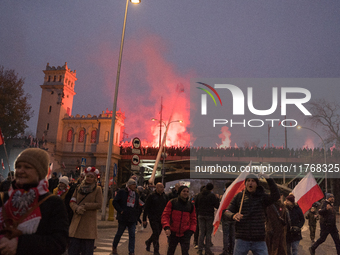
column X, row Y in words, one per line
column 326, row 115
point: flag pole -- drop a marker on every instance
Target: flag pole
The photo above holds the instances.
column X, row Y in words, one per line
column 9, row 168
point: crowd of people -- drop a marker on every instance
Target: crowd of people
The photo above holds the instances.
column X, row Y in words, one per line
column 254, row 151
column 59, row 216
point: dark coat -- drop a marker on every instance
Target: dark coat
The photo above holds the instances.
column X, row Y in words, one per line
column 52, row 233
column 327, row 217
column 205, row 203
column 130, row 214
column 252, row 226
column 154, row 206
column 296, row 223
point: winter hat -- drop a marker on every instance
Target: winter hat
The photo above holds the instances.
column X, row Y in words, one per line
column 181, row 188
column 252, row 176
column 328, row 195
column 209, row 186
column 92, row 170
column 291, row 198
column 64, row 179
column 131, row 182
column 36, row 157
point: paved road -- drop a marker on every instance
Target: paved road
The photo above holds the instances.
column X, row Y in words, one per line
column 104, row 243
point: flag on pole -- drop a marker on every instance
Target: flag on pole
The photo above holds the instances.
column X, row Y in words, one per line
column 1, row 138
column 63, row 166
column 235, row 187
column 49, row 173
column 2, row 164
column 307, row 192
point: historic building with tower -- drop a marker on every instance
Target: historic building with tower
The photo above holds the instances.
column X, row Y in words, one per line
column 70, row 138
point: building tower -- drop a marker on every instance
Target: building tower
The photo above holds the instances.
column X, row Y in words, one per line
column 56, row 101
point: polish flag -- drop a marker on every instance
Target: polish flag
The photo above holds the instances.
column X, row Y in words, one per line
column 1, row 138
column 49, row 173
column 307, row 192
column 234, row 188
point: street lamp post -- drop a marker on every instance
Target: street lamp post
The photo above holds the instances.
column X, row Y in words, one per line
column 164, row 142
column 324, row 152
column 109, row 152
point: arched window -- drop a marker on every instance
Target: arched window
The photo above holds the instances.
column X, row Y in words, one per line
column 50, row 108
column 106, row 137
column 49, row 78
column 81, row 136
column 69, row 136
column 55, row 78
column 60, row 78
column 93, row 136
column 48, row 126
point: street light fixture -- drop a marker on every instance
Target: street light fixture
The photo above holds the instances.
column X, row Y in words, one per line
column 324, row 151
column 164, row 142
column 109, row 153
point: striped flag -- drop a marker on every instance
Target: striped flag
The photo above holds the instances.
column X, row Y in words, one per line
column 307, row 192
column 234, row 188
column 1, row 138
column 49, row 173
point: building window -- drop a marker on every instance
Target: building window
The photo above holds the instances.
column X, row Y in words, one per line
column 93, row 136
column 116, row 138
column 68, row 111
column 49, row 78
column 50, row 108
column 48, row 126
column 60, row 78
column 106, row 138
column 69, row 136
column 81, row 136
column 55, row 78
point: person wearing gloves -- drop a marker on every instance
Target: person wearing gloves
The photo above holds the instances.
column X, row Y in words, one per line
column 179, row 221
column 85, row 202
column 32, row 220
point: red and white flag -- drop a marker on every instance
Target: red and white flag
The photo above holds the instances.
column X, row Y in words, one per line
column 63, row 165
column 49, row 173
column 1, row 138
column 234, row 188
column 2, row 164
column 307, row 192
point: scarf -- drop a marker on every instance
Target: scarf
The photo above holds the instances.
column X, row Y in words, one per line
column 20, row 201
column 131, row 198
column 86, row 188
column 62, row 191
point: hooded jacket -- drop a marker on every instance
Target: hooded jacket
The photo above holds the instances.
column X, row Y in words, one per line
column 252, row 226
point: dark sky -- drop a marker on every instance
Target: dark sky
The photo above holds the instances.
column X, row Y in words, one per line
column 166, row 43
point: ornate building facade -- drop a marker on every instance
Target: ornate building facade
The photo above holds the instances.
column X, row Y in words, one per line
column 70, row 138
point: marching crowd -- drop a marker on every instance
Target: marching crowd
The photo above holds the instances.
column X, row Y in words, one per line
column 60, row 217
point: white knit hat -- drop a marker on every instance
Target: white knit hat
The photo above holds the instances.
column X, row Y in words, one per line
column 64, row 179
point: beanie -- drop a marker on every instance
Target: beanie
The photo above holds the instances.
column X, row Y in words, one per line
column 131, row 182
column 252, row 176
column 209, row 186
column 181, row 188
column 64, row 179
column 328, row 195
column 36, row 157
column 291, row 198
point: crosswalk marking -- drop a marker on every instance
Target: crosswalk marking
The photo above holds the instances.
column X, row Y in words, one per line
column 104, row 245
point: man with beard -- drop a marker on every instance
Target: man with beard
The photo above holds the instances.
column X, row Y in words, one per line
column 154, row 207
column 250, row 220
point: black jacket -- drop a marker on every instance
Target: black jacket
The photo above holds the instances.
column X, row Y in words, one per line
column 205, row 203
column 252, row 225
column 154, row 206
column 296, row 223
column 130, row 214
column 327, row 217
